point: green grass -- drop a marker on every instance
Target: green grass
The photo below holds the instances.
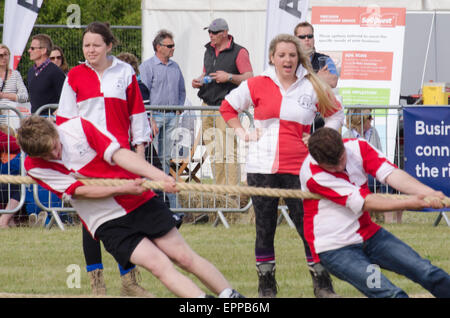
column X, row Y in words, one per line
column 34, row 261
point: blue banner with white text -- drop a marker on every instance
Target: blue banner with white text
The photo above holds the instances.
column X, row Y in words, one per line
column 427, row 145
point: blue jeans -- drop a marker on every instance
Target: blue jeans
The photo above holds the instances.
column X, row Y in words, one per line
column 166, row 122
column 355, row 265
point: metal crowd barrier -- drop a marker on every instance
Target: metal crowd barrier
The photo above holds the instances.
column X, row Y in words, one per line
column 383, row 117
column 194, row 163
column 10, row 120
column 218, row 205
column 13, row 120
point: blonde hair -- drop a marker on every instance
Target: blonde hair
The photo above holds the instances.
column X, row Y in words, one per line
column 4, row 46
column 356, row 117
column 326, row 100
column 36, row 136
column 7, row 130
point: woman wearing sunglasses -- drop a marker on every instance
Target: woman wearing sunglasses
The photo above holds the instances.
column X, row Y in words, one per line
column 359, row 124
column 57, row 57
column 12, row 88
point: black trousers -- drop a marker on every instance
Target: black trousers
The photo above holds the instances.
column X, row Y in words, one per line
column 266, row 213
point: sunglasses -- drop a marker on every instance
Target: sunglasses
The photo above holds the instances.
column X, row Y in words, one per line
column 4, row 55
column 214, row 32
column 53, row 58
column 169, row 46
column 32, row 48
column 309, row 36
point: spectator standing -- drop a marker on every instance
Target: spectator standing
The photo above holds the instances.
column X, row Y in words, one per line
column 227, row 64
column 105, row 91
column 165, row 83
column 57, row 57
column 338, row 227
column 150, row 154
column 328, row 72
column 45, row 79
column 322, row 64
column 12, row 88
column 285, row 98
column 359, row 124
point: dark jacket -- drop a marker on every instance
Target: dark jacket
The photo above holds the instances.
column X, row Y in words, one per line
column 315, row 61
column 213, row 93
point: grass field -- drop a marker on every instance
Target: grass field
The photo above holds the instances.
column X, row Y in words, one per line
column 34, row 261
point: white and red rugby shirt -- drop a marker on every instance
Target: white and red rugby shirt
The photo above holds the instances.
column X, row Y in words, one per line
column 338, row 220
column 112, row 102
column 86, row 153
column 282, row 115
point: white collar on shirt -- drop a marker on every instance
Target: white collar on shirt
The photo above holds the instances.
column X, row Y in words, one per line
column 270, row 72
column 114, row 59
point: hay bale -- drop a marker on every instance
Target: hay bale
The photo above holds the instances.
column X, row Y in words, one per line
column 192, row 200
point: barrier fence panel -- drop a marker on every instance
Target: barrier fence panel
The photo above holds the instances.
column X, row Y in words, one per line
column 192, row 145
column 12, row 196
column 45, row 200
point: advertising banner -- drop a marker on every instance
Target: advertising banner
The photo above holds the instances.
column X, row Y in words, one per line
column 427, row 145
column 18, row 21
column 366, row 44
column 282, row 16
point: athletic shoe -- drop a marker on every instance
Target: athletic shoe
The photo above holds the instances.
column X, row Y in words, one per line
column 236, row 294
column 178, row 219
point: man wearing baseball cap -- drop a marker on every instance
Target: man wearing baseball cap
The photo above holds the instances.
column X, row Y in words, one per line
column 228, row 64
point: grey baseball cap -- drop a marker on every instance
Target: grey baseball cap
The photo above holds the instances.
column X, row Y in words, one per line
column 217, row 25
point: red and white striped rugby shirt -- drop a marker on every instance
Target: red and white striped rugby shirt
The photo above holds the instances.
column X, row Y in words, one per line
column 112, row 102
column 283, row 115
column 338, row 220
column 86, row 153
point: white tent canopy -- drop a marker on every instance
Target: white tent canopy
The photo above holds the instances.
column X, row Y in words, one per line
column 247, row 23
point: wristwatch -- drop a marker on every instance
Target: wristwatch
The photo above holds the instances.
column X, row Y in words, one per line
column 230, row 78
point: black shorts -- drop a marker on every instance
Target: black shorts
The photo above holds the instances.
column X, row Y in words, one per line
column 120, row 236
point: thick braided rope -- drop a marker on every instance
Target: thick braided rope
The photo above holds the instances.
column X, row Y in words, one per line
column 209, row 188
